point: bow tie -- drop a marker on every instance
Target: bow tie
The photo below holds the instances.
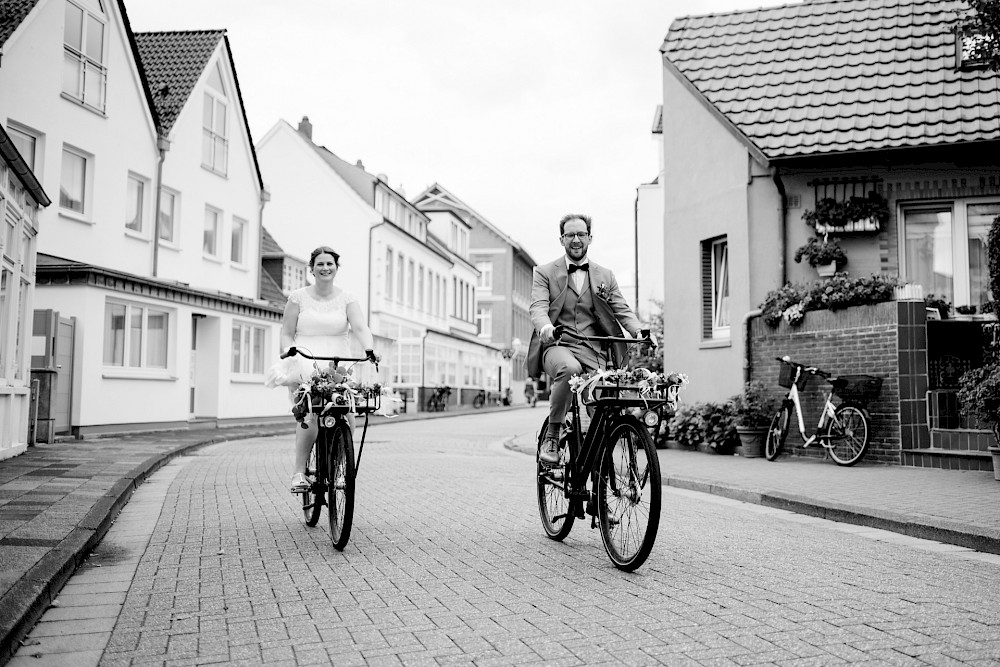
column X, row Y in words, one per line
column 578, row 267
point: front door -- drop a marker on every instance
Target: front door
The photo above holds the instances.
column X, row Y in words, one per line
column 63, row 400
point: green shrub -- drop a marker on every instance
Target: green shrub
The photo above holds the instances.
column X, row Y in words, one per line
column 834, row 293
column 686, row 425
column 979, row 396
column 754, row 407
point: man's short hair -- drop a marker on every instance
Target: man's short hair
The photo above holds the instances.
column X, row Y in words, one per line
column 574, row 216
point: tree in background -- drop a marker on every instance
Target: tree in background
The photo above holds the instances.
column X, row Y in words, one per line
column 983, row 28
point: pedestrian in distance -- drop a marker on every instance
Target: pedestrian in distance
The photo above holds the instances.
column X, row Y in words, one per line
column 584, row 297
column 319, row 318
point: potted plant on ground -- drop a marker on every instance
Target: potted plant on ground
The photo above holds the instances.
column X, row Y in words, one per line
column 979, row 397
column 825, row 256
column 754, row 409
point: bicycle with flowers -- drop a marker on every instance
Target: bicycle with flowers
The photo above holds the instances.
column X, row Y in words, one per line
column 330, row 395
column 608, row 468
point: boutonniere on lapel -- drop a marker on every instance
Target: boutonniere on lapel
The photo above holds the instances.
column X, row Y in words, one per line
column 602, row 291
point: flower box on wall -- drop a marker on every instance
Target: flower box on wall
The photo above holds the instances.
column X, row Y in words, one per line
column 865, row 226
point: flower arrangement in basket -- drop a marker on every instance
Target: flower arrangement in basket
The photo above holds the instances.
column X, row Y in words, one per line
column 647, row 384
column 331, row 388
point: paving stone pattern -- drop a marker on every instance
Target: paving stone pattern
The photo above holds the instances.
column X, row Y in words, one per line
column 448, row 565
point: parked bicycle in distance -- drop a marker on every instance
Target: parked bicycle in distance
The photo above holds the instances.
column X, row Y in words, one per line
column 438, row 401
column 331, row 468
column 844, row 430
column 610, row 469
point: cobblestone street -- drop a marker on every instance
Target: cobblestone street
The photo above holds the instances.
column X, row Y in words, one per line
column 448, row 564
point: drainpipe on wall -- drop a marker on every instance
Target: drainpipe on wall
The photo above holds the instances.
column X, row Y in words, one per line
column 747, row 356
column 162, row 145
column 265, row 196
column 371, row 263
column 783, row 224
column 635, row 214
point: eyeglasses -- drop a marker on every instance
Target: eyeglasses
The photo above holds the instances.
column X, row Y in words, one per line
column 583, row 236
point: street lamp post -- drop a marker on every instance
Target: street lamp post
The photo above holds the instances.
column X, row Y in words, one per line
column 506, row 353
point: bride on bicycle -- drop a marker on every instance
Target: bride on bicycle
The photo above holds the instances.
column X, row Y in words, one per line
column 320, row 318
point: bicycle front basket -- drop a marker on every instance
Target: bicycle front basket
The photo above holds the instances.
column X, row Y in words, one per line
column 861, row 389
column 787, row 372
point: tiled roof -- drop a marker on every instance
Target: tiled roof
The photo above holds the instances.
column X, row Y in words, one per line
column 173, row 62
column 270, row 291
column 268, row 246
column 12, row 13
column 837, row 76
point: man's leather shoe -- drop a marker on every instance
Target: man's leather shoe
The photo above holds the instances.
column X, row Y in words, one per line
column 549, row 450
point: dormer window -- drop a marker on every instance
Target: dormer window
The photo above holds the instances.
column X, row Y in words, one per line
column 215, row 126
column 974, row 48
column 85, row 77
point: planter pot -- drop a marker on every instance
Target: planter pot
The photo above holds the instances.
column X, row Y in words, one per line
column 752, row 441
column 995, row 451
column 826, row 270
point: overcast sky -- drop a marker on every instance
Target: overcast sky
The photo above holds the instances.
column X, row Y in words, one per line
column 524, row 109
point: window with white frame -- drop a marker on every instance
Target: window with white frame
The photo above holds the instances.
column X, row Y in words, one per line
column 210, row 242
column 135, row 335
column 135, row 204
column 27, row 145
column 485, row 280
column 388, row 273
column 248, row 349
column 410, row 283
column 944, row 248
column 400, row 277
column 215, row 124
column 484, row 319
column 167, row 218
column 420, row 288
column 715, row 288
column 73, row 180
column 237, row 247
column 85, row 76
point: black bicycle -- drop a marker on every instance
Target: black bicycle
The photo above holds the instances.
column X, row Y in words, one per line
column 331, row 468
column 438, row 401
column 610, row 469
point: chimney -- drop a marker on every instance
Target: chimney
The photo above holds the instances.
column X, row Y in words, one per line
column 306, row 128
column 359, row 164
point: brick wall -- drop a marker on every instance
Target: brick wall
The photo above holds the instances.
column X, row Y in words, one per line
column 884, row 340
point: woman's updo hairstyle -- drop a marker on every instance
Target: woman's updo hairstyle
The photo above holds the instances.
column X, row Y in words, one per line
column 324, row 250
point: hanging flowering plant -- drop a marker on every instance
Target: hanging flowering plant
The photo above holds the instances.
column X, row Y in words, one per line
column 332, row 388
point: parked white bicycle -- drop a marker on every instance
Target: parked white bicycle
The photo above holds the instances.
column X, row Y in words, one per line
column 844, row 430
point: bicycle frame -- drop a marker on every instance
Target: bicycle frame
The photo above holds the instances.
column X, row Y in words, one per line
column 829, row 411
column 607, row 409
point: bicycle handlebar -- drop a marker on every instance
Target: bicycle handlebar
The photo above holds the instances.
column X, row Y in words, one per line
column 647, row 338
column 807, row 369
column 369, row 356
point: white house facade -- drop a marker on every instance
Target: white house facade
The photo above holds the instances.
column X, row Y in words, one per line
column 417, row 290
column 149, row 330
column 649, row 233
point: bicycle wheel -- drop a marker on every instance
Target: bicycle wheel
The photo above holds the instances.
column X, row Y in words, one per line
column 554, row 508
column 312, row 500
column 847, row 434
column 341, row 496
column 628, row 494
column 777, row 433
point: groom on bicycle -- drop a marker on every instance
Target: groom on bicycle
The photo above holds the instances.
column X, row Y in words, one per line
column 583, row 297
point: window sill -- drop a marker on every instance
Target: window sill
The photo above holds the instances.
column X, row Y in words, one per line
column 716, row 343
column 211, row 258
column 240, row 267
column 138, row 236
column 220, row 174
column 83, row 105
column 246, row 379
column 74, row 216
column 167, row 245
column 162, row 375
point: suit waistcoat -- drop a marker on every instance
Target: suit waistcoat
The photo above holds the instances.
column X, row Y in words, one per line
column 578, row 311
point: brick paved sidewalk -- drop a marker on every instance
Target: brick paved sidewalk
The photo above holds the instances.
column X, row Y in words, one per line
column 58, row 500
column 953, row 506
